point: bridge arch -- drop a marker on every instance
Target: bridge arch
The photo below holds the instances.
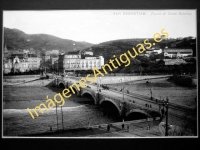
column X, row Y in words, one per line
column 103, row 101
column 61, row 85
column 86, row 94
column 74, row 89
column 137, row 114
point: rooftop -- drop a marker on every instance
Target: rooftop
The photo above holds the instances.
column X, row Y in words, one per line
column 73, row 53
column 177, row 50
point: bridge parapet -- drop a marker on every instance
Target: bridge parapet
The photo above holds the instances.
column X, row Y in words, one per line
column 132, row 102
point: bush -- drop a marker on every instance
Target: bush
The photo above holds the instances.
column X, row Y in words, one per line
column 182, row 80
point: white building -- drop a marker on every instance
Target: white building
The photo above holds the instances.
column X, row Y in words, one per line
column 178, row 53
column 74, row 61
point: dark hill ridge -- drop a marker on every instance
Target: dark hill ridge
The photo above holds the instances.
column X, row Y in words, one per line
column 118, row 47
column 17, row 39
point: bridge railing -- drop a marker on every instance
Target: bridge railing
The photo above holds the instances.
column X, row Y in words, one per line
column 127, row 92
column 132, row 94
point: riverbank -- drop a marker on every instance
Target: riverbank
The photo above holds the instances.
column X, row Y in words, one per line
column 78, row 111
column 137, row 128
column 183, row 80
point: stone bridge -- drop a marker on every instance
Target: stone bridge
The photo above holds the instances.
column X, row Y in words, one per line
column 125, row 104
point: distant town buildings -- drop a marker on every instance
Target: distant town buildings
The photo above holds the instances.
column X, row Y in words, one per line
column 53, row 60
column 76, row 60
column 20, row 61
column 154, row 51
column 88, row 52
column 177, row 53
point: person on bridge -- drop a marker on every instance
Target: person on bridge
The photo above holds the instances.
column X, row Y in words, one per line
column 127, row 128
column 122, row 126
column 108, row 127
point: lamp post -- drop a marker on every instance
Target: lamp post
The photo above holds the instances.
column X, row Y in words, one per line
column 99, row 82
column 62, row 118
column 123, row 87
column 123, row 100
column 57, row 116
column 99, row 89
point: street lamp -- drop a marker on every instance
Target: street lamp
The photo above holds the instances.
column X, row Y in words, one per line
column 99, row 86
column 100, row 83
column 122, row 87
column 151, row 93
column 123, row 80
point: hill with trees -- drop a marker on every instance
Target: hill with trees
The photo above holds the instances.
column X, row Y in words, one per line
column 18, row 40
column 144, row 63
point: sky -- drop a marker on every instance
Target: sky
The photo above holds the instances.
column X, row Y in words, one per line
column 96, row 26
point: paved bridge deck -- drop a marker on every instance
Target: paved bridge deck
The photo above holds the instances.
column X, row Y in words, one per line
column 139, row 100
column 120, row 79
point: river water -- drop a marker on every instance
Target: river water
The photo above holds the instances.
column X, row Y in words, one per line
column 77, row 112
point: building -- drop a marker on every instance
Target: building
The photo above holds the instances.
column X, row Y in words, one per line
column 158, row 51
column 174, row 61
column 73, row 61
column 154, row 51
column 21, row 61
column 55, row 66
column 53, row 59
column 54, row 52
column 88, row 52
column 7, row 66
column 33, row 62
column 47, row 56
column 178, row 53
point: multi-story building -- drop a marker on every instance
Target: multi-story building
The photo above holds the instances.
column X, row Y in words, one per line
column 53, row 60
column 88, row 52
column 33, row 62
column 75, row 61
column 154, row 51
column 7, row 66
column 178, row 53
column 21, row 61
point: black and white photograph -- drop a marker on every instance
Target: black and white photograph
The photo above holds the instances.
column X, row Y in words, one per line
column 112, row 73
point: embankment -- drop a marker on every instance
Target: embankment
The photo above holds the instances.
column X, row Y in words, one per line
column 183, row 80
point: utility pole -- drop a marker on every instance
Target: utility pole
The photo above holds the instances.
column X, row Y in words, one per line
column 57, row 116
column 167, row 106
column 62, row 118
column 123, row 99
column 99, row 86
column 123, row 89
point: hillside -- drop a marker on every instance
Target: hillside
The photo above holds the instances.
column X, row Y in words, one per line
column 186, row 42
column 16, row 39
column 117, row 47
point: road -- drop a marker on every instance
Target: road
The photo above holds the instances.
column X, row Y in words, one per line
column 174, row 109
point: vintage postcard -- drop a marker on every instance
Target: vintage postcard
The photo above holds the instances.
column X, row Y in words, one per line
column 99, row 73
